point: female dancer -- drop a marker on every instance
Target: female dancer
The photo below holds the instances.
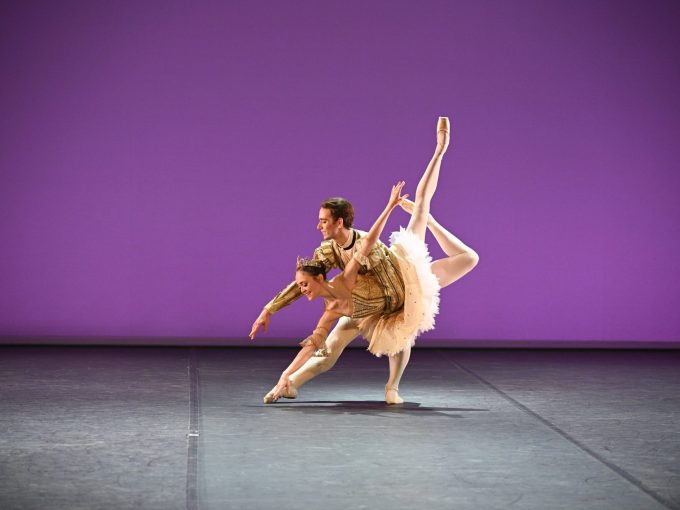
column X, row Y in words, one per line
column 388, row 332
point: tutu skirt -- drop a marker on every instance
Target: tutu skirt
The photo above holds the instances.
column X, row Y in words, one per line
column 391, row 334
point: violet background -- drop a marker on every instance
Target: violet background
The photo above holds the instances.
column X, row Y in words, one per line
column 162, row 162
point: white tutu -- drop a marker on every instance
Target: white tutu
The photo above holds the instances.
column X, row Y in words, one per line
column 391, row 334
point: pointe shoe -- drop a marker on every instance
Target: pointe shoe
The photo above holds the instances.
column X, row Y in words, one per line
column 392, row 397
column 269, row 397
column 443, row 134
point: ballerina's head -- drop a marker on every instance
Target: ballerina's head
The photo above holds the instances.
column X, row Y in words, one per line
column 310, row 276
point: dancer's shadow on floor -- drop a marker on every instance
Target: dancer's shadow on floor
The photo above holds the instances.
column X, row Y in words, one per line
column 368, row 407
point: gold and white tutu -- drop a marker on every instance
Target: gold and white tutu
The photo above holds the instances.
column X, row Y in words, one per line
column 391, row 334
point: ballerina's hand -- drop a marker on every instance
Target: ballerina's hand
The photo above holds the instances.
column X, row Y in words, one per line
column 283, row 384
column 396, row 197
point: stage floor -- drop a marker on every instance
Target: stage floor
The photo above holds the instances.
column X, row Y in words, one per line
column 175, row 428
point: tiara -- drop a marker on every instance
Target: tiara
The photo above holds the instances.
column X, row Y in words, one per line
column 303, row 262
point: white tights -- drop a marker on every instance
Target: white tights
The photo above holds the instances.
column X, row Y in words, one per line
column 342, row 335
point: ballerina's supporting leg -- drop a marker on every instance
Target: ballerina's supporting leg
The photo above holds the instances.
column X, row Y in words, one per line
column 428, row 182
column 398, row 363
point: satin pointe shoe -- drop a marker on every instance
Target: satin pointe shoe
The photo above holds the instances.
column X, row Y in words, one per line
column 392, row 397
column 269, row 397
column 443, row 134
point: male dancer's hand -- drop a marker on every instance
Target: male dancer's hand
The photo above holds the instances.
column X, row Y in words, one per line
column 261, row 322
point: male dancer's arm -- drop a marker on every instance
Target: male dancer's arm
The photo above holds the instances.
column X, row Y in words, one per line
column 291, row 293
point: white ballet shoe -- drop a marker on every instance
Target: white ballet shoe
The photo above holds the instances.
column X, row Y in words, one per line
column 269, row 397
column 392, row 397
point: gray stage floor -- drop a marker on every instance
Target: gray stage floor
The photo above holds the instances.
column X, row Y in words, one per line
column 174, row 428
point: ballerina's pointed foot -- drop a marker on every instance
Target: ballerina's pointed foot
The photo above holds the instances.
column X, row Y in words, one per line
column 407, row 205
column 392, row 396
column 443, row 134
column 269, row 397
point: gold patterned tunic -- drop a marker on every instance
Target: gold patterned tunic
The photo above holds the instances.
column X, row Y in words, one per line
column 379, row 286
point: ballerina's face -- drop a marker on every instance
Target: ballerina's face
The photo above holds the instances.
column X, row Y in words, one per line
column 309, row 285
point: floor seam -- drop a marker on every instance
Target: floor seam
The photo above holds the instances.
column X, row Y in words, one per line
column 193, row 433
column 619, row 471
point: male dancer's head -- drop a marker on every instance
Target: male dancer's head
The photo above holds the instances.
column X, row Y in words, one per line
column 335, row 219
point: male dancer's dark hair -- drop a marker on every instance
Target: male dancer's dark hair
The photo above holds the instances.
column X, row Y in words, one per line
column 340, row 208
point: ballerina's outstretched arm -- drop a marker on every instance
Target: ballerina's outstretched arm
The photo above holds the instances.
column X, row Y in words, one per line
column 351, row 270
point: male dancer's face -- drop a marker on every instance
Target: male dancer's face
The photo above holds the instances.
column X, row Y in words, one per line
column 329, row 229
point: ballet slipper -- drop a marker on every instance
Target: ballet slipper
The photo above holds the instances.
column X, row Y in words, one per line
column 269, row 397
column 443, row 134
column 392, row 397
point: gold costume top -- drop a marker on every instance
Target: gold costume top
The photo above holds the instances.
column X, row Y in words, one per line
column 379, row 286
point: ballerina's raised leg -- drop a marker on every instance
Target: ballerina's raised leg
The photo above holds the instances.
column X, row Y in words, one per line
column 460, row 260
column 428, row 182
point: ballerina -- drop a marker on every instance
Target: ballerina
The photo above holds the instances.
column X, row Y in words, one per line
column 390, row 332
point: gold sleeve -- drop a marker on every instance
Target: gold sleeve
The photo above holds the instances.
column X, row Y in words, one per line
column 361, row 259
column 374, row 256
column 291, row 293
column 284, row 298
column 326, row 255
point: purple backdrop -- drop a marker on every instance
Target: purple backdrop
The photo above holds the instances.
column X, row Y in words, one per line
column 162, row 162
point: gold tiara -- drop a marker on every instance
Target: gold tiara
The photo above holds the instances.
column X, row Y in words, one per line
column 303, row 262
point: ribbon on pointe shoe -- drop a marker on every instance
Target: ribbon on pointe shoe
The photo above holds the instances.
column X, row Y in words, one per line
column 392, row 399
